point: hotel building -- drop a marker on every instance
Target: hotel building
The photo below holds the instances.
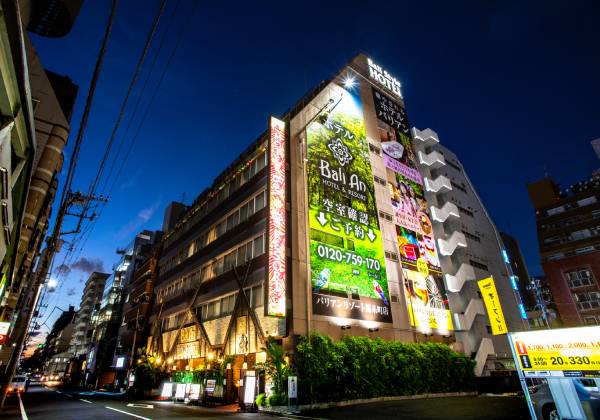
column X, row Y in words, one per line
column 323, row 224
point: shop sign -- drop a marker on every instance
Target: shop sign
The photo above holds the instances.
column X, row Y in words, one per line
column 492, row 305
column 249, row 387
column 292, row 387
column 347, row 265
column 571, row 352
column 276, row 294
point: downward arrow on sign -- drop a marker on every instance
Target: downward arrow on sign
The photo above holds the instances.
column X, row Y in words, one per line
column 322, row 219
column 371, row 235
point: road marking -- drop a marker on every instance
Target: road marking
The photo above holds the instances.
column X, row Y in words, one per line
column 136, row 405
column 23, row 413
column 57, row 391
column 130, row 414
column 89, row 402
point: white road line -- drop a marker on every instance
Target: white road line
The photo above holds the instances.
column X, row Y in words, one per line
column 130, row 414
column 89, row 402
column 23, row 413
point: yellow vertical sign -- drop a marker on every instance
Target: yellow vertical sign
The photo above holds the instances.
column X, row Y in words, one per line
column 492, row 305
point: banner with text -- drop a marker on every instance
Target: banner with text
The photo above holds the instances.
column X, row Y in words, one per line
column 346, row 252
column 571, row 352
column 492, row 305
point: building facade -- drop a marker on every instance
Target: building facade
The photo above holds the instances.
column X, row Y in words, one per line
column 568, row 226
column 36, row 110
column 471, row 249
column 87, row 315
column 325, row 224
column 100, row 363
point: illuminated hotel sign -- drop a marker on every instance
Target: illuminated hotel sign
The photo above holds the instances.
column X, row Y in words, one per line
column 381, row 76
column 277, row 227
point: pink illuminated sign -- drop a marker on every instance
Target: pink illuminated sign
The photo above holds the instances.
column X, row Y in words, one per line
column 277, row 227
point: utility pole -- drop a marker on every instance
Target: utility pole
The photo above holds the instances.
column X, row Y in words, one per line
column 53, row 243
column 30, row 300
column 536, row 287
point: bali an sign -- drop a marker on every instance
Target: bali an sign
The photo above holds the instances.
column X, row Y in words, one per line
column 346, row 252
column 276, row 293
column 492, row 305
column 573, row 352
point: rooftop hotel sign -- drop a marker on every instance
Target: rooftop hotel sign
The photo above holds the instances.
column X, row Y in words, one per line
column 381, row 76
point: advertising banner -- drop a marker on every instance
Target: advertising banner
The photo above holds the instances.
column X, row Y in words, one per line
column 572, row 352
column 424, row 289
column 346, row 252
column 276, row 294
column 426, row 302
column 492, row 305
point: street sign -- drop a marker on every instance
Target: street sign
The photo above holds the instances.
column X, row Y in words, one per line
column 564, row 352
column 292, row 387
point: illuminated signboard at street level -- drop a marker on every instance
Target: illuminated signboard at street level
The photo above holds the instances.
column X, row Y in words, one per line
column 347, row 265
column 276, row 294
column 558, row 352
column 381, row 76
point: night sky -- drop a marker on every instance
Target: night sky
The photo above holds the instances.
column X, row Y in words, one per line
column 513, row 88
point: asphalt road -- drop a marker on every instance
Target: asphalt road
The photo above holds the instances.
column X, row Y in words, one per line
column 44, row 403
column 464, row 408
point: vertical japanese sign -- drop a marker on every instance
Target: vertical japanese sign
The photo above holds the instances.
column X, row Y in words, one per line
column 492, row 305
column 276, row 294
column 423, row 282
column 346, row 251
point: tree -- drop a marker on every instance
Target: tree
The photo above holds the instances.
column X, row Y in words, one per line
column 275, row 366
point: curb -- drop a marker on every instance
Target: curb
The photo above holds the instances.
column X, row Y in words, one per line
column 291, row 412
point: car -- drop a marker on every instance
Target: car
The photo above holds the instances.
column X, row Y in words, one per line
column 17, row 385
column 543, row 403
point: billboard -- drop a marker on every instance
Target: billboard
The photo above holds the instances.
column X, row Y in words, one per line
column 346, row 253
column 558, row 352
column 423, row 281
column 492, row 305
column 275, row 290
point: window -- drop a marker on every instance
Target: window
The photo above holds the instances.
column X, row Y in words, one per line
column 458, row 187
column 579, row 278
column 391, row 256
column 555, row 210
column 375, row 149
column 471, row 236
column 587, row 201
column 258, row 246
column 590, row 320
column 581, row 234
column 386, row 216
column 479, row 265
column 380, row 180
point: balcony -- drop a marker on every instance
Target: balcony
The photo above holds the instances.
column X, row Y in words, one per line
column 441, row 215
column 486, row 348
column 439, row 185
column 432, row 160
column 464, row 321
column 450, row 244
column 454, row 283
column 427, row 137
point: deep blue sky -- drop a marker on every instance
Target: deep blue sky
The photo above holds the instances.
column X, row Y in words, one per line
column 512, row 87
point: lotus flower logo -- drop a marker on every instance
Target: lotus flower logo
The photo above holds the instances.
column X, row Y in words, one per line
column 340, row 151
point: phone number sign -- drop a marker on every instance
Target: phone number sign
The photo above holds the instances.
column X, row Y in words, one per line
column 569, row 350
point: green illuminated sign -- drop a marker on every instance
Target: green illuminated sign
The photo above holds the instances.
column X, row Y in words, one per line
column 346, row 253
